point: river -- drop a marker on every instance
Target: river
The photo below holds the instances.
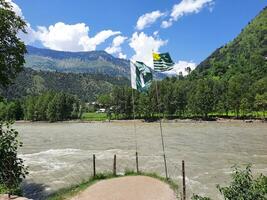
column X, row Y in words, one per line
column 60, row 154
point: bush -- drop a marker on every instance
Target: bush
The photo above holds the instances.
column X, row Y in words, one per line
column 242, row 187
column 12, row 169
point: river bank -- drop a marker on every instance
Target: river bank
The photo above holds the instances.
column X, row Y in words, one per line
column 187, row 120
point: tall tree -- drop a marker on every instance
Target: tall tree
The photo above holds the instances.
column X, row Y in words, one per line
column 12, row 49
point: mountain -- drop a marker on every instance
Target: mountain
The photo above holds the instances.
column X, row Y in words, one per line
column 86, row 86
column 93, row 62
column 246, row 54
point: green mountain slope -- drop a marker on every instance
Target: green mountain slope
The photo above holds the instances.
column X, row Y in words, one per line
column 86, row 86
column 246, row 54
column 93, row 62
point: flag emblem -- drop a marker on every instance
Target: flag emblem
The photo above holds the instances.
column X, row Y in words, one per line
column 162, row 62
column 141, row 76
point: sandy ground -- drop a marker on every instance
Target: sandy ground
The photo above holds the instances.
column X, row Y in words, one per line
column 128, row 188
column 5, row 197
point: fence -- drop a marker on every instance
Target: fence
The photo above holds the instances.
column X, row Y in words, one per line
column 39, row 184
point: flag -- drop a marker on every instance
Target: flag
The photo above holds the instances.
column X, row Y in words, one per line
column 141, row 76
column 162, row 62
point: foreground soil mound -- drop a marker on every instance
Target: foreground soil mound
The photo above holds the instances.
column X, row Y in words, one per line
column 130, row 188
column 5, row 197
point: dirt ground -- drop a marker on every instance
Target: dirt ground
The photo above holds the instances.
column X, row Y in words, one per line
column 128, row 188
column 5, row 197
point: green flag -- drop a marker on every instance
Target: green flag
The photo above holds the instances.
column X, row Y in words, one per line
column 141, row 76
column 162, row 62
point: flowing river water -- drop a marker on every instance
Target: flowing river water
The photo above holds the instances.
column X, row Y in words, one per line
column 60, row 154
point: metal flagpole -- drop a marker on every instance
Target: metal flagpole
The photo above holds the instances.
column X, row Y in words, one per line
column 161, row 134
column 135, row 135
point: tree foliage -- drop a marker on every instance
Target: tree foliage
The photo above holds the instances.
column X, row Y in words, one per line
column 191, row 98
column 243, row 187
column 12, row 49
column 52, row 107
column 12, row 169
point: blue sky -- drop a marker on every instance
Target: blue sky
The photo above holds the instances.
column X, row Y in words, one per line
column 195, row 27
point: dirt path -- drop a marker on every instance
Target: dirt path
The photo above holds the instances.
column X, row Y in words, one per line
column 5, row 197
column 128, row 188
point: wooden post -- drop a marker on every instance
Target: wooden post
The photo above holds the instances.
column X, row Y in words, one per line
column 184, row 187
column 94, row 171
column 114, row 165
column 137, row 164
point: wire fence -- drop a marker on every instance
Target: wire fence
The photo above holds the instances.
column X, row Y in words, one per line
column 46, row 177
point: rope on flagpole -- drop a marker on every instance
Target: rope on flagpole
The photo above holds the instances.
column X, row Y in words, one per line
column 161, row 134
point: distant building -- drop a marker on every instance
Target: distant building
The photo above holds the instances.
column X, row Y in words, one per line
column 101, row 110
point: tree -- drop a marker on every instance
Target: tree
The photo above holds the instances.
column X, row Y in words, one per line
column 12, row 169
column 12, row 49
column 201, row 98
column 261, row 102
column 238, row 86
column 243, row 187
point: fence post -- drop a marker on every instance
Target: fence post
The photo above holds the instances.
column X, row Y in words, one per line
column 137, row 164
column 184, row 187
column 114, row 165
column 94, row 171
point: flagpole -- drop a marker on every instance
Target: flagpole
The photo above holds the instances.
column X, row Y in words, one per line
column 134, row 121
column 135, row 134
column 161, row 134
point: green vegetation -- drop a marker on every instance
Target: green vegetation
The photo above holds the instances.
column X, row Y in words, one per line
column 243, row 186
column 49, row 106
column 245, row 55
column 74, row 190
column 12, row 49
column 94, row 116
column 12, row 169
column 201, row 98
column 232, row 80
column 85, row 86
column 93, row 62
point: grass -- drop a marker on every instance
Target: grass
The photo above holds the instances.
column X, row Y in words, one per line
column 94, row 116
column 74, row 190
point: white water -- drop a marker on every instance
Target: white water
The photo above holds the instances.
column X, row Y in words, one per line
column 60, row 154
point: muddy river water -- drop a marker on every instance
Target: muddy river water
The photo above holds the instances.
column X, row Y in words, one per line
column 60, row 154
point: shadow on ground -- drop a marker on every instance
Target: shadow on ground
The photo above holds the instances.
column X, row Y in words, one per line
column 35, row 191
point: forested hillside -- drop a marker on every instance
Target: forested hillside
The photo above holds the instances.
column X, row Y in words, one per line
column 85, row 86
column 93, row 62
column 230, row 82
column 246, row 54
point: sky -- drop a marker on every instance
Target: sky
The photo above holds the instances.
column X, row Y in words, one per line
column 190, row 30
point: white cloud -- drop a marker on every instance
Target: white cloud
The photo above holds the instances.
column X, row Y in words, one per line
column 147, row 19
column 61, row 36
column 72, row 37
column 15, row 8
column 185, row 7
column 181, row 66
column 143, row 45
column 28, row 37
column 31, row 34
column 122, row 56
column 166, row 24
column 115, row 47
column 90, row 44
